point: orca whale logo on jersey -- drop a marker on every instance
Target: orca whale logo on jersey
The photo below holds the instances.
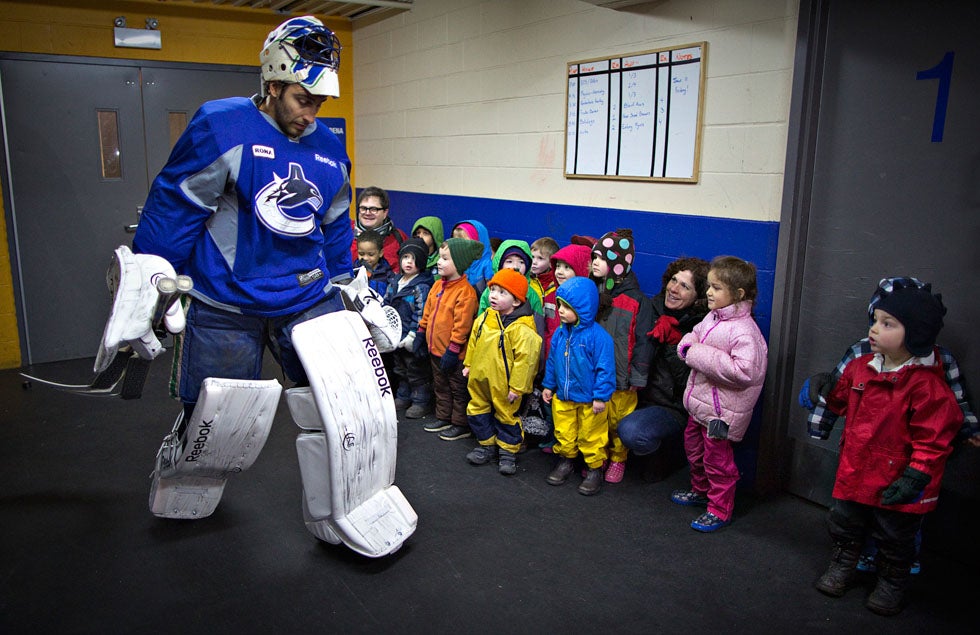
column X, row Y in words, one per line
column 279, row 203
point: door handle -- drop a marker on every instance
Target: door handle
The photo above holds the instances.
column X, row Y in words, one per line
column 131, row 229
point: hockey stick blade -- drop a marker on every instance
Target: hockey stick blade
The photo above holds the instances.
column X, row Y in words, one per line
column 103, row 385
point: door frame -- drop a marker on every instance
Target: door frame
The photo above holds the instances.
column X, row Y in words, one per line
column 801, row 146
column 9, row 200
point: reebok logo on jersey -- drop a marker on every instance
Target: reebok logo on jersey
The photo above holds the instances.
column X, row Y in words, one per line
column 263, row 152
column 326, row 160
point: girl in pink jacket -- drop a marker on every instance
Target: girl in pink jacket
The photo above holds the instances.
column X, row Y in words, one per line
column 727, row 356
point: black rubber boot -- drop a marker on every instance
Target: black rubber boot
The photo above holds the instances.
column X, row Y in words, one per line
column 842, row 570
column 888, row 597
column 560, row 474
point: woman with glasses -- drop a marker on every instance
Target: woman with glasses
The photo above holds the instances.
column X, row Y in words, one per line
column 372, row 213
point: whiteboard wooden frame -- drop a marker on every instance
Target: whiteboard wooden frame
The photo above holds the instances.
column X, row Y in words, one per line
column 614, row 65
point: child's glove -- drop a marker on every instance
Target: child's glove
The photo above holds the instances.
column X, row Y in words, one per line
column 408, row 342
column 815, row 389
column 667, row 330
column 907, row 488
column 419, row 348
column 450, row 360
column 717, row 429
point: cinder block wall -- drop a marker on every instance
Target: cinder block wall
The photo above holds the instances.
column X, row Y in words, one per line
column 467, row 97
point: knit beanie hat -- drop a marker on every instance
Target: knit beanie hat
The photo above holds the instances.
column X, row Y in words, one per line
column 470, row 230
column 616, row 248
column 463, row 252
column 511, row 280
column 886, row 286
column 516, row 251
column 418, row 249
column 920, row 312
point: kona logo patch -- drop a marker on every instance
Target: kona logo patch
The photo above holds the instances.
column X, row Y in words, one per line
column 263, row 152
column 280, row 205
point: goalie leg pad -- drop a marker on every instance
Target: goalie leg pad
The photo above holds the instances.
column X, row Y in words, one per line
column 349, row 467
column 225, row 435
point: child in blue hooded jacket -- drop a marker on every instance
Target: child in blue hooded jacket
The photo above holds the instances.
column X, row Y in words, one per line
column 579, row 378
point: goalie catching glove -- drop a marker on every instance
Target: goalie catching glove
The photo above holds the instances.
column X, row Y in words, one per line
column 383, row 321
column 145, row 292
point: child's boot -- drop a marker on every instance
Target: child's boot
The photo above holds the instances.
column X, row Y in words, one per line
column 888, row 597
column 560, row 474
column 842, row 570
column 482, row 454
column 592, row 482
column 508, row 462
column 421, row 403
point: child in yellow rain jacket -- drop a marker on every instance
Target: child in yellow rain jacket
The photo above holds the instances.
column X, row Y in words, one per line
column 500, row 364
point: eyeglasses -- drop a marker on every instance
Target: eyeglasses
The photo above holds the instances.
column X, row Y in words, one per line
column 373, row 210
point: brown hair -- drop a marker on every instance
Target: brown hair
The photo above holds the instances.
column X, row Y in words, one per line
column 698, row 269
column 374, row 191
column 735, row 273
column 547, row 245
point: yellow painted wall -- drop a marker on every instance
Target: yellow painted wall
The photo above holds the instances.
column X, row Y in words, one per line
column 190, row 32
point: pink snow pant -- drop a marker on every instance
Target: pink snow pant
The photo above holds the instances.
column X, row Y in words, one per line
column 713, row 469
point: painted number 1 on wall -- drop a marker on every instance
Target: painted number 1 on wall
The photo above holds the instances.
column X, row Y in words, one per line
column 943, row 71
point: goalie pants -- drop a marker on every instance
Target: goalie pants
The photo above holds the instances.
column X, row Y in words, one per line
column 219, row 343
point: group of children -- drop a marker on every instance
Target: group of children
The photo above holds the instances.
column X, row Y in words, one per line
column 483, row 329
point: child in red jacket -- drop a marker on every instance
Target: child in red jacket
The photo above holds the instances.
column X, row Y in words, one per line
column 902, row 418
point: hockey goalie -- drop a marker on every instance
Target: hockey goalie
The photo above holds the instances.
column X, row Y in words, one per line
column 243, row 246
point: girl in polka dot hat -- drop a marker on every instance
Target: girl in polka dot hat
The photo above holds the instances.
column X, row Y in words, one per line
column 626, row 313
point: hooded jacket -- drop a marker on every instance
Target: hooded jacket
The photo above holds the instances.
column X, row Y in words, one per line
column 480, row 272
column 578, row 257
column 895, row 419
column 432, row 224
column 533, row 297
column 504, row 349
column 581, row 367
column 727, row 356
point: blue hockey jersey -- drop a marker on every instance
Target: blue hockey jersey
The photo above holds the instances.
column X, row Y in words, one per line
column 260, row 222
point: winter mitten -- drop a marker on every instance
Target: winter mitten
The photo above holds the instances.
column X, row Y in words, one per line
column 815, row 390
column 907, row 488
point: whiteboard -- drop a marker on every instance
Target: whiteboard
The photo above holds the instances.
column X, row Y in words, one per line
column 636, row 116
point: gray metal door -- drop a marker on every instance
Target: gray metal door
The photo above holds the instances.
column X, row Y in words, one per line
column 894, row 193
column 72, row 198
